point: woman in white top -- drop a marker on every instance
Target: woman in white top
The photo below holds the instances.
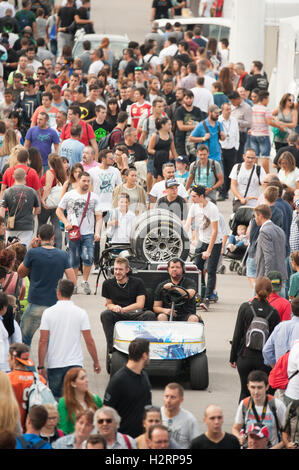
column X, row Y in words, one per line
column 288, row 173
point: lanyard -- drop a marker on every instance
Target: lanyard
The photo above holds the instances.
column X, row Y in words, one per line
column 252, row 406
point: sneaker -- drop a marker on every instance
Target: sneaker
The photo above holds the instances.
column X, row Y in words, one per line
column 96, row 270
column 214, row 297
column 75, row 290
column 86, row 288
column 205, row 304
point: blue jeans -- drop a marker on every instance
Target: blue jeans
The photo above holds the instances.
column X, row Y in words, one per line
column 83, row 249
column 30, row 321
column 56, row 378
column 261, row 144
column 212, row 264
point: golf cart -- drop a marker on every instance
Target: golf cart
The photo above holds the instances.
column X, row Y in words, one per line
column 176, row 348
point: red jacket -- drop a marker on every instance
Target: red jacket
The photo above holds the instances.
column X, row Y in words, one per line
column 282, row 305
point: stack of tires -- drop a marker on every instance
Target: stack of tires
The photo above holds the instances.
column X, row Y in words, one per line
column 157, row 236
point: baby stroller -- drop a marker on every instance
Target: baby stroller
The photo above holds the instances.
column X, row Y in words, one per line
column 238, row 257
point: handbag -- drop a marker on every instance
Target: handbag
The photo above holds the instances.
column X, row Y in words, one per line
column 74, row 233
column 53, row 199
column 11, row 219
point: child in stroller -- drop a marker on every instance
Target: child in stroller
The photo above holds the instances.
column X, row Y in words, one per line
column 238, row 241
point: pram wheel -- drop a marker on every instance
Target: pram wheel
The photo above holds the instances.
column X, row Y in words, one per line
column 244, row 271
column 236, row 267
column 232, row 265
column 240, row 270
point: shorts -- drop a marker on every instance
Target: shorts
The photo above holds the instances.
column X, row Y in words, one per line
column 83, row 249
column 150, row 166
column 250, row 268
column 261, row 145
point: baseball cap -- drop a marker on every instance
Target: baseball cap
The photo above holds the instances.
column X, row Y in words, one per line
column 182, row 159
column 276, row 280
column 170, row 183
column 21, row 354
column 258, row 430
column 28, row 81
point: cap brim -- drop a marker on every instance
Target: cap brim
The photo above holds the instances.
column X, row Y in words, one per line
column 25, row 362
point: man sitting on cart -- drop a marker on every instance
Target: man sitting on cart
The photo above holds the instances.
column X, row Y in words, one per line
column 162, row 302
column 125, row 299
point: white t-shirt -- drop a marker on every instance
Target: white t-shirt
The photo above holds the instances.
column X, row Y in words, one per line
column 64, row 321
column 74, row 203
column 289, row 179
column 203, row 98
column 159, row 190
column 121, row 233
column 292, row 390
column 103, row 183
column 269, row 420
column 183, row 427
column 242, row 178
column 95, row 67
column 203, row 218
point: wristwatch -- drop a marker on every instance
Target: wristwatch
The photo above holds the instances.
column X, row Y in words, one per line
column 40, row 367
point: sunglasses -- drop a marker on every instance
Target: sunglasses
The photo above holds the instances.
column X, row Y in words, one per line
column 107, row 420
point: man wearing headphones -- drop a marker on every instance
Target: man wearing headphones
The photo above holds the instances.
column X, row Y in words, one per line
column 177, row 277
column 125, row 299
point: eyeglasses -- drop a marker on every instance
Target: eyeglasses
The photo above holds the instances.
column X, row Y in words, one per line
column 105, row 420
column 41, row 73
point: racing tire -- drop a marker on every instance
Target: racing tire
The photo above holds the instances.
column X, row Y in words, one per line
column 159, row 238
column 118, row 360
column 199, row 372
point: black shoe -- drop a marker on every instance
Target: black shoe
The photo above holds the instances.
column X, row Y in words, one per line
column 205, row 304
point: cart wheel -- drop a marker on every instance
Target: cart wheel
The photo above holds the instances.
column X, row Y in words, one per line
column 244, row 271
column 236, row 267
column 231, row 265
column 240, row 271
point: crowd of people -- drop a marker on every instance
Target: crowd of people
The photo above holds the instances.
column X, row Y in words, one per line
column 87, row 144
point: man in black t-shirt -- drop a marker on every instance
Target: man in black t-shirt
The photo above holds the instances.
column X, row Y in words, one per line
column 162, row 307
column 87, row 107
column 131, row 63
column 214, row 437
column 160, row 9
column 100, row 126
column 172, row 201
column 256, row 79
column 186, row 118
column 137, row 153
column 125, row 299
column 65, row 17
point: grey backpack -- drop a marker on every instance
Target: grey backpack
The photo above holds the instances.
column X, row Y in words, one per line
column 258, row 331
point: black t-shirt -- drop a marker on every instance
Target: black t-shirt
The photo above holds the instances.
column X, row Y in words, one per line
column 128, row 393
column 125, row 104
column 137, row 152
column 88, row 109
column 170, row 98
column 123, row 296
column 28, row 103
column 202, row 442
column 130, row 67
column 101, row 130
column 178, row 206
column 67, row 16
column 162, row 7
column 256, row 81
column 182, row 114
column 185, row 58
column 182, row 310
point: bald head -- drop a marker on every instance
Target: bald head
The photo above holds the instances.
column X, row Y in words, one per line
column 212, row 409
column 213, row 419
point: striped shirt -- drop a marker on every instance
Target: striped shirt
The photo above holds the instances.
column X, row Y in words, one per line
column 259, row 125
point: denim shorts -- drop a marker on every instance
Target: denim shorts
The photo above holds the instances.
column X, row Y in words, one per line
column 150, row 166
column 261, row 144
column 250, row 268
column 83, row 249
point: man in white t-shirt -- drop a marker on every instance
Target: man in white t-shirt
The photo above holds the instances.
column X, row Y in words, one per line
column 159, row 189
column 203, row 97
column 181, row 424
column 83, row 207
column 60, row 333
column 246, row 180
column 204, row 216
column 97, row 64
column 261, row 404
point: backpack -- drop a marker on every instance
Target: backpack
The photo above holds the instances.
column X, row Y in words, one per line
column 246, row 404
column 105, row 141
column 257, row 169
column 278, row 377
column 39, row 393
column 29, row 445
column 258, row 331
column 291, row 425
column 196, row 168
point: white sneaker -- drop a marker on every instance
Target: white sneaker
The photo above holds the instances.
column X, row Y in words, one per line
column 86, row 288
column 96, row 270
